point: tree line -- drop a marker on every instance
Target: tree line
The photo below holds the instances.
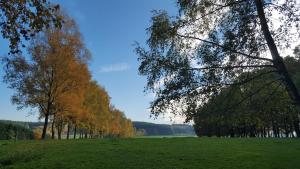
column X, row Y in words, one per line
column 15, row 131
column 54, row 79
column 268, row 112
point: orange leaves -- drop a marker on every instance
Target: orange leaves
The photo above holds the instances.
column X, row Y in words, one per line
column 102, row 117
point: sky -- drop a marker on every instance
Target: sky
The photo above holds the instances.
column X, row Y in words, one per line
column 109, row 29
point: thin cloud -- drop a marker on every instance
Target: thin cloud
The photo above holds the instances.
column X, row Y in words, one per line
column 119, row 67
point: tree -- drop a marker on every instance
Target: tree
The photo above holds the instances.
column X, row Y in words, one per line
column 55, row 70
column 127, row 129
column 23, row 19
column 251, row 110
column 210, row 43
column 120, row 125
column 97, row 118
column 97, row 111
column 268, row 113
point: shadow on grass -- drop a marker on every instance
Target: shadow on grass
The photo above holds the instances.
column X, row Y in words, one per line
column 18, row 157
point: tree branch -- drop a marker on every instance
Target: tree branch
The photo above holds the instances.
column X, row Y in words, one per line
column 233, row 67
column 235, row 83
column 225, row 48
column 220, row 7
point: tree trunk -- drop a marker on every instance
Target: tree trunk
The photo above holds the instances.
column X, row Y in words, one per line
column 75, row 130
column 68, row 132
column 45, row 126
column 60, row 129
column 277, row 59
column 91, row 134
column 231, row 133
column 58, row 132
column 286, row 128
column 86, row 134
column 52, row 128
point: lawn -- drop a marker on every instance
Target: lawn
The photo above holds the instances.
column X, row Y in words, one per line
column 156, row 153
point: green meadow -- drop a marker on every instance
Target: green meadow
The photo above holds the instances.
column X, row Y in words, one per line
column 152, row 153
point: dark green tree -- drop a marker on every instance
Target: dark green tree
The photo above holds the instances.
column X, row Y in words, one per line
column 251, row 110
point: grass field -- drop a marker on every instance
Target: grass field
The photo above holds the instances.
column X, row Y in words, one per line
column 155, row 153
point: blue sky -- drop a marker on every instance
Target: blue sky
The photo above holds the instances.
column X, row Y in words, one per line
column 109, row 29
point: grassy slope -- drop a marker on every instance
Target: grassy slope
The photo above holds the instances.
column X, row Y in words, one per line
column 144, row 153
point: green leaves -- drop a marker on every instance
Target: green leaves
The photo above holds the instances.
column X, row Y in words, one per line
column 162, row 30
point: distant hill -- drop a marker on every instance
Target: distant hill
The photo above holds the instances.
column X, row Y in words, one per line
column 17, row 123
column 15, row 130
column 152, row 129
column 28, row 125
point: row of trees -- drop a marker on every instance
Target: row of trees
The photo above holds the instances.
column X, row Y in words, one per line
column 54, row 78
column 268, row 112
